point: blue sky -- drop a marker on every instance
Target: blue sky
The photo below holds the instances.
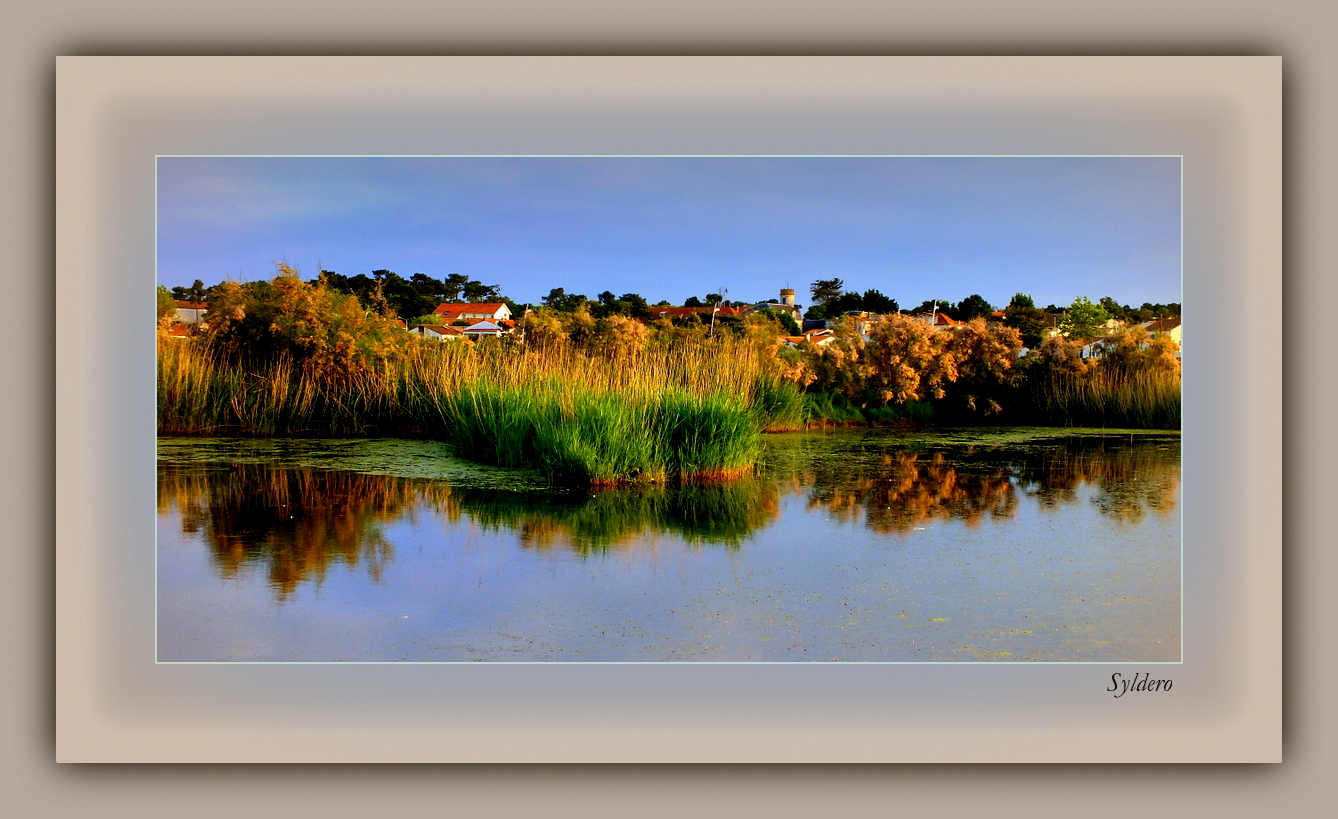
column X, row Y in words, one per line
column 672, row 227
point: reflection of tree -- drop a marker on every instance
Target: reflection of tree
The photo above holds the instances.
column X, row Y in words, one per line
column 709, row 513
column 1131, row 476
column 895, row 486
column 897, row 490
column 296, row 522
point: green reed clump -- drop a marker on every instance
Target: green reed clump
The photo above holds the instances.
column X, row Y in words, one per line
column 599, row 436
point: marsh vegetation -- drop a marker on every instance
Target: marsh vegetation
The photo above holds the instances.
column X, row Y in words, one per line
column 612, row 399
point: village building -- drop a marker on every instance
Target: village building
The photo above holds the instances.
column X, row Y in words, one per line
column 191, row 312
column 785, row 305
column 1167, row 327
column 681, row 312
column 938, row 321
column 456, row 312
column 487, row 329
column 434, row 332
column 817, row 338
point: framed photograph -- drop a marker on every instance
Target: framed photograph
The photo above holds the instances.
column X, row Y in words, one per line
column 712, row 409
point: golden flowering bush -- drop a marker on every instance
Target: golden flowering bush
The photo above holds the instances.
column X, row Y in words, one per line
column 898, row 359
column 329, row 334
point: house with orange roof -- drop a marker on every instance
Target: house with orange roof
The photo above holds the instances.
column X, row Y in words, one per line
column 938, row 321
column 817, row 338
column 438, row 332
column 486, row 329
column 1167, row 327
column 680, row 312
column 448, row 312
column 190, row 312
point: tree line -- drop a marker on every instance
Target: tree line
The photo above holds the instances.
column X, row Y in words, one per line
column 413, row 299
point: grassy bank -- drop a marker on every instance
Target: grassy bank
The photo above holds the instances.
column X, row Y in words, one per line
column 694, row 412
column 1137, row 401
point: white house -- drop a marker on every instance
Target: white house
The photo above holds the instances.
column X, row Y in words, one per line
column 434, row 332
column 484, row 329
column 191, row 312
column 457, row 312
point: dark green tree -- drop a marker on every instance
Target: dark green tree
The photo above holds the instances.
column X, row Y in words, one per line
column 196, row 292
column 784, row 320
column 972, row 306
column 876, row 302
column 1031, row 322
column 942, row 306
column 824, row 290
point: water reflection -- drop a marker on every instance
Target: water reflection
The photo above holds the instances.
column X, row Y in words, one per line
column 896, row 486
column 294, row 523
column 585, row 522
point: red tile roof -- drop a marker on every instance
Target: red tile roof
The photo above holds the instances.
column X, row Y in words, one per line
column 192, row 305
column 442, row 330
column 1162, row 325
column 676, row 312
column 453, row 310
column 940, row 320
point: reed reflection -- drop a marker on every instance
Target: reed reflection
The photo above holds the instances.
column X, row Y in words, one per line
column 718, row 513
column 295, row 523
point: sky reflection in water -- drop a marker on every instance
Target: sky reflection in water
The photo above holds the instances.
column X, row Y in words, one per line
column 1021, row 545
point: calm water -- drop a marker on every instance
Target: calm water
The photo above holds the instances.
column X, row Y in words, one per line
column 1013, row 545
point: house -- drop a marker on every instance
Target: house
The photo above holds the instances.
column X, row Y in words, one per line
column 488, row 329
column 815, row 337
column 1167, row 327
column 785, row 305
column 680, row 312
column 434, row 332
column 456, row 312
column 191, row 312
column 1094, row 348
column 938, row 321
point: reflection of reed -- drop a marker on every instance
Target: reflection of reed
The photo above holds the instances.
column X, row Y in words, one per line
column 585, row 522
column 297, row 522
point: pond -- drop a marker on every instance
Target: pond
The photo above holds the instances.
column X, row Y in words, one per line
column 994, row 545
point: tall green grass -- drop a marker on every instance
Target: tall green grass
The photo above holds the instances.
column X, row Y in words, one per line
column 1143, row 400
column 599, row 436
column 692, row 413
